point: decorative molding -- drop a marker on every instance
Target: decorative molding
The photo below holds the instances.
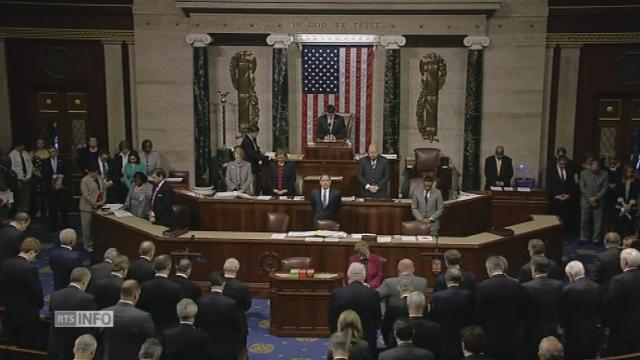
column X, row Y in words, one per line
column 476, row 42
column 279, row 41
column 75, row 34
column 337, row 39
column 592, row 38
column 392, row 41
column 199, row 40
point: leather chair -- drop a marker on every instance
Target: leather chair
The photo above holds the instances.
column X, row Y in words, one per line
column 277, row 222
column 326, row 224
column 180, row 174
column 298, row 262
column 181, row 216
column 413, row 228
column 427, row 161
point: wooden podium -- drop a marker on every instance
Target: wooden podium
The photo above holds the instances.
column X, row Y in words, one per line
column 299, row 307
column 328, row 150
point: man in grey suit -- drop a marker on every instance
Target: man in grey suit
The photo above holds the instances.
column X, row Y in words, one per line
column 593, row 186
column 389, row 286
column 131, row 326
column 427, row 205
column 373, row 174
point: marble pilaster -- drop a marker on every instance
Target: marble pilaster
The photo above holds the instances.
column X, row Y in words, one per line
column 391, row 109
column 473, row 113
column 280, row 90
column 201, row 116
column 5, row 113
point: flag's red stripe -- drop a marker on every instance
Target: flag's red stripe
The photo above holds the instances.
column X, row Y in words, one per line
column 304, row 121
column 369, row 93
column 347, row 80
column 358, row 96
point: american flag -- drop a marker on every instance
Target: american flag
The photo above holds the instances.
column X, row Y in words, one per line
column 341, row 76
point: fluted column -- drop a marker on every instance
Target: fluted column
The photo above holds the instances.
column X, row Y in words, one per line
column 391, row 110
column 201, row 116
column 473, row 112
column 280, row 90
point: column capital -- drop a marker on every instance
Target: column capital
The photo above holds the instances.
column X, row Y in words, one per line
column 279, row 41
column 392, row 41
column 199, row 40
column 476, row 42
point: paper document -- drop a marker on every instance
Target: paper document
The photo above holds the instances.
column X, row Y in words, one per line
column 264, row 197
column 524, row 189
column 301, row 233
column 348, row 198
column 313, row 239
column 280, row 236
column 384, row 239
column 113, row 206
column 298, row 198
column 327, row 233
column 424, row 238
column 331, row 239
column 122, row 213
column 408, row 238
column 225, row 195
column 359, row 236
column 495, row 188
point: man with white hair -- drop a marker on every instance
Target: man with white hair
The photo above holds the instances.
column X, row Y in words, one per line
column 151, row 349
column 428, row 334
column 550, row 349
column 238, row 291
column 71, row 298
column 389, row 286
column 102, row 270
column 185, row 341
column 359, row 298
column 64, row 259
column 621, row 310
column 579, row 316
column 84, row 347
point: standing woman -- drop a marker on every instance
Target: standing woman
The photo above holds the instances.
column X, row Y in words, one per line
column 282, row 175
column 149, row 158
column 138, row 200
column 372, row 263
column 626, row 203
column 133, row 166
column 38, row 156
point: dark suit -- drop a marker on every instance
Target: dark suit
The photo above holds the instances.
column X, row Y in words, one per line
column 141, row 270
column 625, row 224
column 544, row 304
column 162, row 204
column 491, row 171
column 579, row 318
column 364, row 301
column 452, row 308
column 396, row 308
column 621, row 312
column 191, row 290
column 116, row 175
column 339, row 128
column 62, row 261
column 186, row 342
column 99, row 272
column 499, row 307
column 159, row 297
column 331, row 211
column 131, row 328
column 252, row 153
column 107, row 291
column 359, row 351
column 468, row 281
column 427, row 335
column 606, row 265
column 379, row 176
column 10, row 241
column 61, row 340
column 57, row 199
column 558, row 186
column 406, row 351
column 288, row 178
column 555, row 272
column 239, row 292
column 219, row 317
column 22, row 299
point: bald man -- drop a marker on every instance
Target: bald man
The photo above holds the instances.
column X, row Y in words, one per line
column 389, row 286
column 373, row 174
column 498, row 169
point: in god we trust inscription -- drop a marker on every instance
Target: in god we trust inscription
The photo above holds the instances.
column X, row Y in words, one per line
column 335, row 25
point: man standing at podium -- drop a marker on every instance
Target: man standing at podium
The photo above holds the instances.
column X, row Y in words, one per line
column 373, row 174
column 331, row 126
column 498, row 169
column 427, row 205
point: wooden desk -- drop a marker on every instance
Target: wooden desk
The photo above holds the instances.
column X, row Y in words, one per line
column 461, row 217
column 328, row 150
column 512, row 207
column 299, row 307
column 255, row 249
column 346, row 168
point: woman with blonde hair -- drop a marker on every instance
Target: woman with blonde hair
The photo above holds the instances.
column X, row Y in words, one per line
column 372, row 263
column 350, row 325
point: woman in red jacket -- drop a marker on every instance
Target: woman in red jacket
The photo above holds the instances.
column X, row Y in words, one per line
column 371, row 262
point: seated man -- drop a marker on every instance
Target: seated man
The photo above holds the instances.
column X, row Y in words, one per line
column 238, row 176
column 331, row 126
column 325, row 201
column 427, row 206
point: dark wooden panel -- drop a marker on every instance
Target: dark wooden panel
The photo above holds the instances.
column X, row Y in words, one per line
column 510, row 207
column 90, row 14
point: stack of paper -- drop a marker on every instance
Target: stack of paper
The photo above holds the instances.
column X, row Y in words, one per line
column 121, row 213
column 280, row 236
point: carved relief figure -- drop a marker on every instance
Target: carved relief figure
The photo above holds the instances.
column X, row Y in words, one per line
column 433, row 69
column 242, row 69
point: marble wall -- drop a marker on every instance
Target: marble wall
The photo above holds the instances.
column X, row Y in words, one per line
column 513, row 81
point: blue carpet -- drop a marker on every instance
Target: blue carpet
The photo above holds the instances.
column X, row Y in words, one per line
column 261, row 344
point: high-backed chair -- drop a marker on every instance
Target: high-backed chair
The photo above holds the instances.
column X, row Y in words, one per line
column 427, row 161
column 180, row 174
column 277, row 222
column 413, row 228
column 327, row 224
column 298, row 262
column 181, row 216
